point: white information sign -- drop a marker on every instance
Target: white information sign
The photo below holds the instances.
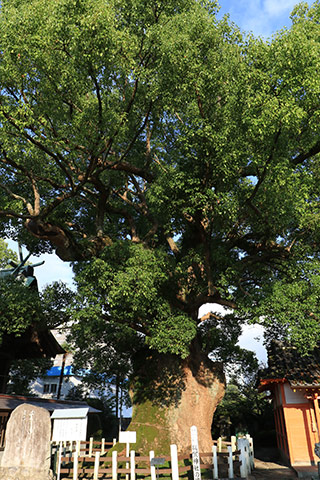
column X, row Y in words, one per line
column 195, row 454
column 70, row 424
column 127, row 437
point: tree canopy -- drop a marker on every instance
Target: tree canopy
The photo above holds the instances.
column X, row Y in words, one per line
column 21, row 306
column 172, row 155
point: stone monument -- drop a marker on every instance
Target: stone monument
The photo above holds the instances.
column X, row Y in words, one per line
column 27, row 448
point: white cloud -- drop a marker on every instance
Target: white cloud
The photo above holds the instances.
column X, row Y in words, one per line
column 261, row 17
column 251, row 337
column 275, row 8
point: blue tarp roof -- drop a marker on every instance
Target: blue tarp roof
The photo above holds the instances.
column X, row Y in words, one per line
column 56, row 371
column 68, row 371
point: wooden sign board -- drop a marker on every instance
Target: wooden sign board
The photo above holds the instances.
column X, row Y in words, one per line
column 70, row 424
column 195, row 454
column 155, row 461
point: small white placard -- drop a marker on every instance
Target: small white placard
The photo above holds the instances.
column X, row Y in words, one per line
column 127, row 437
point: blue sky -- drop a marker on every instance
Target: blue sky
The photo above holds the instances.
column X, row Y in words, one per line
column 262, row 17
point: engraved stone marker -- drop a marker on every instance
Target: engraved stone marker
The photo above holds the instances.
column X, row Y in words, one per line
column 27, row 448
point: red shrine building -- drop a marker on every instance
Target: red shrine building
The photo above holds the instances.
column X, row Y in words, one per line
column 294, row 382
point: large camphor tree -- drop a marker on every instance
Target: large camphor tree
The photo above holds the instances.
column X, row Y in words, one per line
column 176, row 163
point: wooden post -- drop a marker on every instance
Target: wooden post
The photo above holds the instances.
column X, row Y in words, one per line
column 195, row 453
column 242, row 458
column 152, row 468
column 90, row 446
column 103, row 444
column 127, row 455
column 234, row 445
column 316, row 409
column 246, row 443
column 174, row 462
column 251, row 451
column 75, row 466
column 96, row 466
column 78, row 447
column 114, row 465
column 114, row 441
column 59, row 461
column 219, row 444
column 215, row 462
column 230, row 462
column 132, row 465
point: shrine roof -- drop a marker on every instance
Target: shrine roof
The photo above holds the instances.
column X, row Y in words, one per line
column 286, row 362
column 10, row 402
column 34, row 342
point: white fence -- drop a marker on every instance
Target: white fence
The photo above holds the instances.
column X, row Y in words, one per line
column 75, row 460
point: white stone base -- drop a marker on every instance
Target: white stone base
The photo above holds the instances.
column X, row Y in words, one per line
column 24, row 473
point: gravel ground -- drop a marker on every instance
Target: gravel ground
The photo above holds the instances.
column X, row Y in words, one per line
column 271, row 471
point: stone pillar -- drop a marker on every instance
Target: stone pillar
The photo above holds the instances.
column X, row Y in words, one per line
column 27, row 449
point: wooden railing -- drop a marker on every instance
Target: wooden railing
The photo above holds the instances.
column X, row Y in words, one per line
column 86, row 460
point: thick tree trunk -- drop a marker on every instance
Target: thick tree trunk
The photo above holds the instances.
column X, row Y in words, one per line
column 169, row 396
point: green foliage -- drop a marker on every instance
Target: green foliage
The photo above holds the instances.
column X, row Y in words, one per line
column 244, row 410
column 6, row 254
column 19, row 306
column 128, row 285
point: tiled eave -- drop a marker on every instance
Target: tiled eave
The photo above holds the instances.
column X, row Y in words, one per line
column 266, row 383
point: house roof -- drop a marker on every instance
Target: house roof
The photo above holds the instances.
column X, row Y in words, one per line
column 56, row 371
column 286, row 363
column 10, row 402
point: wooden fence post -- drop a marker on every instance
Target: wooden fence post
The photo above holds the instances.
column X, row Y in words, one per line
column 152, row 468
column 78, row 447
column 103, row 444
column 114, row 465
column 75, row 466
column 219, row 444
column 58, row 468
column 215, row 462
column 96, row 466
column 251, row 451
column 174, row 462
column 234, row 445
column 132, row 465
column 243, row 457
column 230, row 462
column 90, row 446
column 247, row 450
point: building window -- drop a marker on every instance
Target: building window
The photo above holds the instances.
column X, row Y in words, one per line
column 53, row 388
column 49, row 388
